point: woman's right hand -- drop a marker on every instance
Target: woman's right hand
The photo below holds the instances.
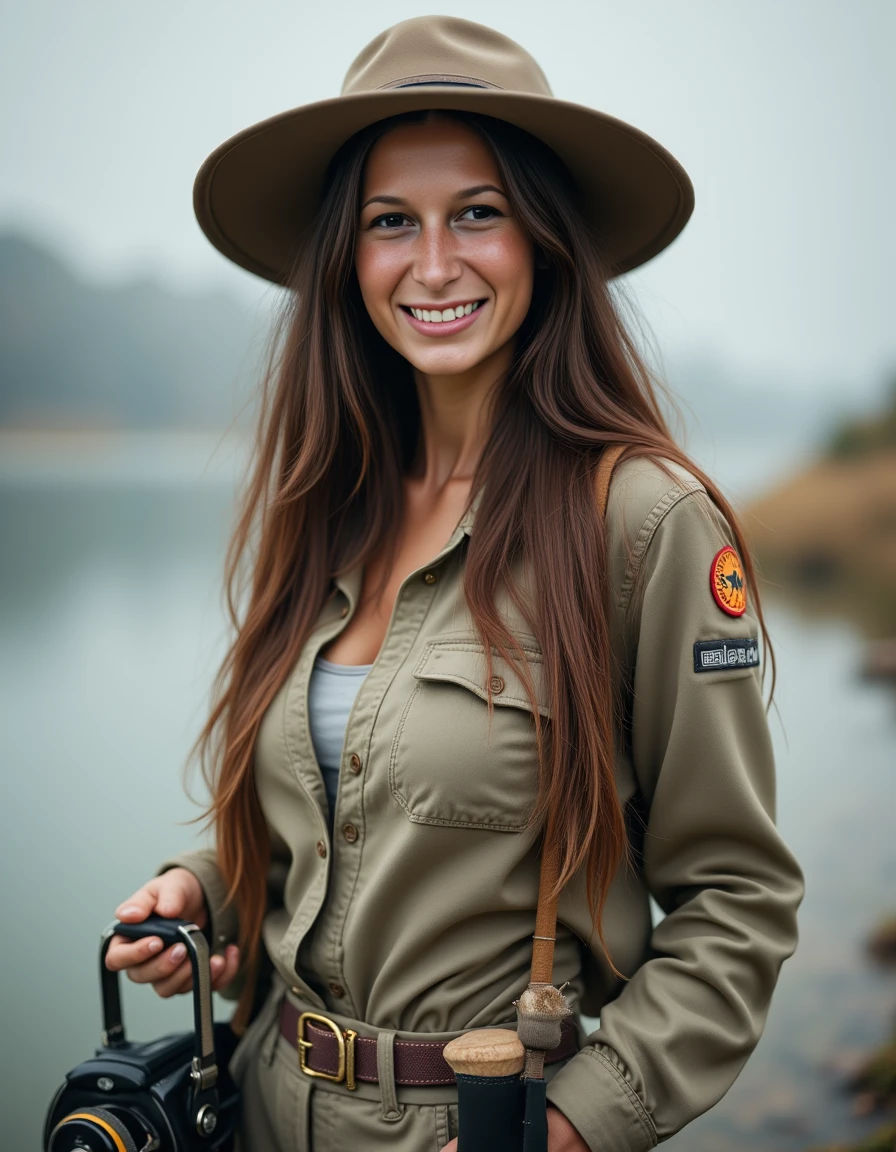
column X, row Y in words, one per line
column 176, row 894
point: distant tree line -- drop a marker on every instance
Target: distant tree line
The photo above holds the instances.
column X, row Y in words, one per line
column 132, row 355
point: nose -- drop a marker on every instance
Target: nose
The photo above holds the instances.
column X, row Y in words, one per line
column 437, row 260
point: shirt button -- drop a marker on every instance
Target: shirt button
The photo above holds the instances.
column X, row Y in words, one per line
column 430, row 577
column 355, row 763
column 321, row 849
column 344, row 612
column 496, row 684
column 336, row 988
column 350, row 832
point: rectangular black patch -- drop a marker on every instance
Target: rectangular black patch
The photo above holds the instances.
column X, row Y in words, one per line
column 726, row 655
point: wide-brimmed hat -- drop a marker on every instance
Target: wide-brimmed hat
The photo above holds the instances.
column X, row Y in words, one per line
column 256, row 194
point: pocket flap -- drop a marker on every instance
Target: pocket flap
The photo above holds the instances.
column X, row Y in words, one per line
column 463, row 662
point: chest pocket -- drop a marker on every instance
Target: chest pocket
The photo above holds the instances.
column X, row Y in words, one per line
column 447, row 766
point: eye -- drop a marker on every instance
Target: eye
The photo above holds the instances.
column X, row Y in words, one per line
column 389, row 220
column 480, row 212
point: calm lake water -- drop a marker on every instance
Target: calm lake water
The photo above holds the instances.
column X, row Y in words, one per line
column 110, row 632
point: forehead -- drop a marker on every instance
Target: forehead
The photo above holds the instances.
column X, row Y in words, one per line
column 436, row 155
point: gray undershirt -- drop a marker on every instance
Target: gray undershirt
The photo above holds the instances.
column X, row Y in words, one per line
column 331, row 694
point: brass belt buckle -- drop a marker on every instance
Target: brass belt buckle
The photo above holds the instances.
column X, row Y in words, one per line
column 345, row 1067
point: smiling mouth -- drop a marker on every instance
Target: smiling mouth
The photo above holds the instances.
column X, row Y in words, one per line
column 443, row 315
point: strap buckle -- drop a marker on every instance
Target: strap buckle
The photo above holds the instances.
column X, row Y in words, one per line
column 345, row 1065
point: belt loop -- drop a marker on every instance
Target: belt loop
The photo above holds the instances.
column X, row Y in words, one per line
column 385, row 1071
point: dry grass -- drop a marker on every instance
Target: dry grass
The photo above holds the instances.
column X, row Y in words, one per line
column 828, row 537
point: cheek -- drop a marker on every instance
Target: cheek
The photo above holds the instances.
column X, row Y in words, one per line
column 507, row 262
column 379, row 272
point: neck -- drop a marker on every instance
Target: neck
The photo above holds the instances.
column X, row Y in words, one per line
column 455, row 421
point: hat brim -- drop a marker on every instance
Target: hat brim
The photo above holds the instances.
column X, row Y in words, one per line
column 257, row 193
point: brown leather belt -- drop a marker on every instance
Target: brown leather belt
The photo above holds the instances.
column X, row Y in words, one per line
column 331, row 1053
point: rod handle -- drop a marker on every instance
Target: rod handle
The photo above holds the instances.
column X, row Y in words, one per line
column 486, row 1052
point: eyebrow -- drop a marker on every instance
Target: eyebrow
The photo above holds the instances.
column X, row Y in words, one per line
column 476, row 190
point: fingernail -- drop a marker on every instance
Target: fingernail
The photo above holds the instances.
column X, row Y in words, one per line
column 155, row 945
column 129, row 910
column 217, row 962
column 177, row 953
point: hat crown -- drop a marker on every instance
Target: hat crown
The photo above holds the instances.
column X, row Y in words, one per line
column 444, row 50
column 257, row 194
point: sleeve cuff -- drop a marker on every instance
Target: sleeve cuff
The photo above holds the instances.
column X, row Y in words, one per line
column 223, row 926
column 594, row 1095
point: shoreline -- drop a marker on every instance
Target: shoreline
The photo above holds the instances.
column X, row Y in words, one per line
column 163, row 456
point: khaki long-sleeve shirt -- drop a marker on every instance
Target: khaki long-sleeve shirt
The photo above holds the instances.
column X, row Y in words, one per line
column 418, row 914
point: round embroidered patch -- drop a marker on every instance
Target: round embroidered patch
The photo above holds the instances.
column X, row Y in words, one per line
column 726, row 579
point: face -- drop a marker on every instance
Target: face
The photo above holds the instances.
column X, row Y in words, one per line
column 444, row 267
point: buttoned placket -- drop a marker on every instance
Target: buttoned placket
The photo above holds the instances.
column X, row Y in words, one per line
column 342, row 854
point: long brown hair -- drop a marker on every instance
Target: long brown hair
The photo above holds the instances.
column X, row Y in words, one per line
column 338, row 427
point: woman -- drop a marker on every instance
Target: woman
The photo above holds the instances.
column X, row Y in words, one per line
column 410, row 699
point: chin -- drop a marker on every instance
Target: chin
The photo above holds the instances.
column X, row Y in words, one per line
column 444, row 364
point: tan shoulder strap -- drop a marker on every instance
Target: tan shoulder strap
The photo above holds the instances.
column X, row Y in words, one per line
column 609, row 458
column 546, row 916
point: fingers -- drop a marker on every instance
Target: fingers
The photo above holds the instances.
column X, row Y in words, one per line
column 171, row 974
column 176, row 894
column 122, row 953
column 177, row 981
column 160, row 968
column 224, row 968
column 179, row 895
column 125, row 953
column 167, row 971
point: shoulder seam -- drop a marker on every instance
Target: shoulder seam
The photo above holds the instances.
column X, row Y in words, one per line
column 646, row 532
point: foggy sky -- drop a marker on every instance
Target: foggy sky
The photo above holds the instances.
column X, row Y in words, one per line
column 782, row 111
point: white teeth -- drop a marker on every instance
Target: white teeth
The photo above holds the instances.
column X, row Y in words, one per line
column 437, row 316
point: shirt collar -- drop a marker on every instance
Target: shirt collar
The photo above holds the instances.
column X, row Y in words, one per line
column 350, row 582
column 466, row 521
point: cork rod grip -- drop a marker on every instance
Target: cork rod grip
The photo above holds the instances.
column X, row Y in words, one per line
column 486, row 1052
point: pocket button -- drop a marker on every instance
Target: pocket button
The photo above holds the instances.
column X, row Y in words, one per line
column 497, row 685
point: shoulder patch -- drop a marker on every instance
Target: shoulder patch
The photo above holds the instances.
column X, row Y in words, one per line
column 727, row 582
column 726, row 655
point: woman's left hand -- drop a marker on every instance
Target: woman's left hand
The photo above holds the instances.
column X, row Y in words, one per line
column 562, row 1137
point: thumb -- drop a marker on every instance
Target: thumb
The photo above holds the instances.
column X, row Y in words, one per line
column 180, row 895
column 173, row 895
column 138, row 906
